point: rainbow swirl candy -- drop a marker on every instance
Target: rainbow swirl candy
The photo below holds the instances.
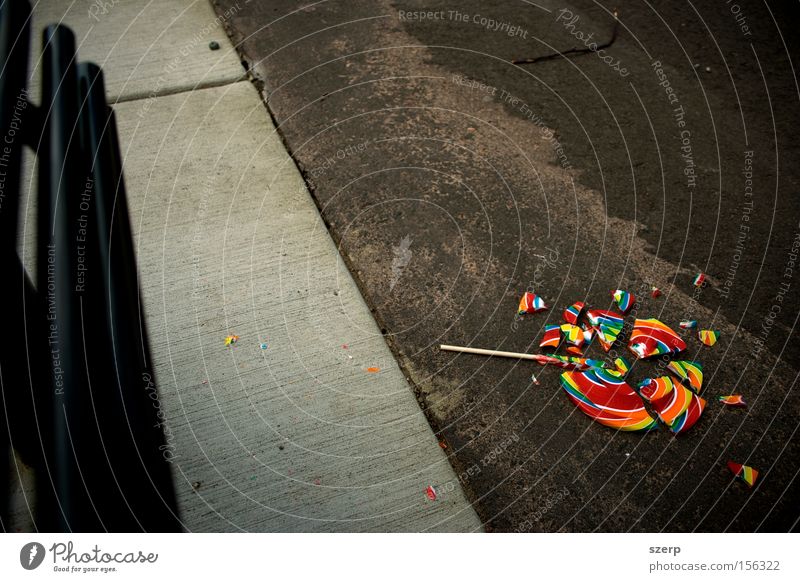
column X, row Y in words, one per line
column 608, row 400
column 573, row 334
column 650, row 338
column 732, row 400
column 552, row 336
column 708, row 337
column 530, row 303
column 624, row 299
column 573, row 312
column 691, row 372
column 744, row 473
column 656, row 388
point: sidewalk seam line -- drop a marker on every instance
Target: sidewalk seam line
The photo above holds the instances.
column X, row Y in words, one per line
column 138, row 96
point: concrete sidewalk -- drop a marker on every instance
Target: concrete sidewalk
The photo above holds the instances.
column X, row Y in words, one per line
column 287, row 429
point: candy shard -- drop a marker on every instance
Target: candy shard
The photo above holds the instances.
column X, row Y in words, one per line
column 622, row 365
column 680, row 408
column 671, row 405
column 650, row 338
column 733, row 400
column 552, row 336
column 231, row 339
column 656, row 388
column 743, row 473
column 430, row 492
column 708, row 337
column 688, row 419
column 530, row 303
column 688, row 324
column 624, row 300
column 608, row 400
column 608, row 326
column 568, row 362
column 691, row 372
column 655, row 292
column 573, row 334
column 593, row 363
column 573, row 312
column 699, row 279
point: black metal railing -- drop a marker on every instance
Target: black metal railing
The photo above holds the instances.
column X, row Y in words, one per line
column 79, row 403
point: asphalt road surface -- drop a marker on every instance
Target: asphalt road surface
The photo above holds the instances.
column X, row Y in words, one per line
column 627, row 155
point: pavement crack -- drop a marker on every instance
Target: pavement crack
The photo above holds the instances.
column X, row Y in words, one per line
column 572, row 51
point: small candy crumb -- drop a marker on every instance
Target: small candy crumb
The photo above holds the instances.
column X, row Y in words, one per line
column 708, row 336
column 530, row 303
column 733, row 400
